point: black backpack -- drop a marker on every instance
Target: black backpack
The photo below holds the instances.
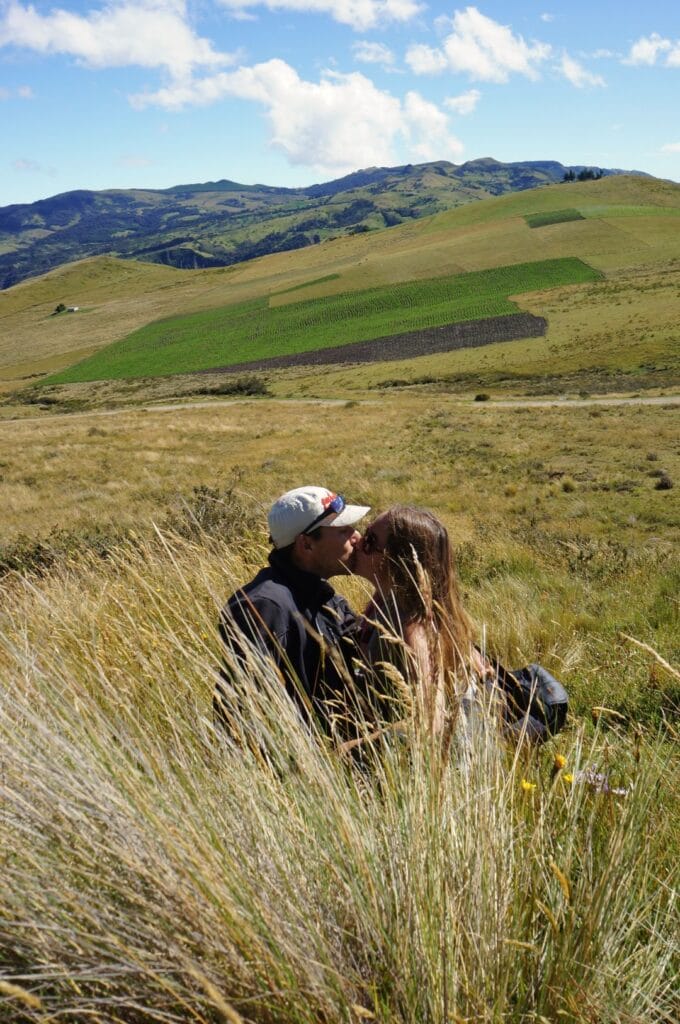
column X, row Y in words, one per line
column 533, row 701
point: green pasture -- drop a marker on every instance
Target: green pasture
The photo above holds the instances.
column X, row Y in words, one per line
column 309, row 284
column 619, row 210
column 252, row 330
column 541, row 220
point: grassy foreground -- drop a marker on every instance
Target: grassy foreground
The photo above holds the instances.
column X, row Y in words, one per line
column 149, row 873
column 154, row 873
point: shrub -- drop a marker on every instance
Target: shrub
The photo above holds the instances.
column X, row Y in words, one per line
column 39, row 555
column 247, row 384
column 209, row 512
column 664, row 483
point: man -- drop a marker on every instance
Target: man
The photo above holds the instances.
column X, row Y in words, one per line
column 290, row 612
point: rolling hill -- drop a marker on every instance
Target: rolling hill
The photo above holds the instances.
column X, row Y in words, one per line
column 627, row 228
column 218, row 224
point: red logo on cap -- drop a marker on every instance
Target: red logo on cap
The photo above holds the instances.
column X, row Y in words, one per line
column 328, row 500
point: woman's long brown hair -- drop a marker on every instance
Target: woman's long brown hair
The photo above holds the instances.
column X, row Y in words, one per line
column 425, row 586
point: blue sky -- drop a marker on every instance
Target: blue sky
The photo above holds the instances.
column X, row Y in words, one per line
column 152, row 93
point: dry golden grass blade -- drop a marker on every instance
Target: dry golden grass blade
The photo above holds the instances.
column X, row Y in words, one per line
column 655, row 654
column 20, row 994
column 362, row 1012
column 518, row 944
column 230, row 1015
column 598, row 710
column 549, row 914
column 565, row 885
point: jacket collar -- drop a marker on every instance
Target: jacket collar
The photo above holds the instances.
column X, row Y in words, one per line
column 307, row 585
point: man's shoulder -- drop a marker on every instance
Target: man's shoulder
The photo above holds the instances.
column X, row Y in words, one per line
column 267, row 585
column 263, row 605
column 340, row 605
column 272, row 588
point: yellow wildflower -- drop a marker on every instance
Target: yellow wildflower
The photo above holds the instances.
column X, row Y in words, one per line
column 527, row 786
column 560, row 761
column 568, row 777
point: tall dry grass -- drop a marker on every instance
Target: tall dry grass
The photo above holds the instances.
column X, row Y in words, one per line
column 152, row 871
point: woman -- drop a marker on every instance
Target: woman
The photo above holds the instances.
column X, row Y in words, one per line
column 416, row 621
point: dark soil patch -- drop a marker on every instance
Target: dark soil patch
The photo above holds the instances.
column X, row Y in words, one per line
column 469, row 334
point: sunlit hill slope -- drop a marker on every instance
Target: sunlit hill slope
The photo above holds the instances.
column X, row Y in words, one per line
column 626, row 228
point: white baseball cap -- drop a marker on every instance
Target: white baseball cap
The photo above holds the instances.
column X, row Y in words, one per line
column 305, row 508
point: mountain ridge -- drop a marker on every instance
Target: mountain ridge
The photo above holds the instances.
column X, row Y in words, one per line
column 217, row 224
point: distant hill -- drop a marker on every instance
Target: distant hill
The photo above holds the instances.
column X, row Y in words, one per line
column 627, row 228
column 217, row 224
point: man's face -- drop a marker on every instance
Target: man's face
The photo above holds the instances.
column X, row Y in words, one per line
column 330, row 553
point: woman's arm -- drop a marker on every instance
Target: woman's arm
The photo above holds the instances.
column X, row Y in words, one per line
column 428, row 677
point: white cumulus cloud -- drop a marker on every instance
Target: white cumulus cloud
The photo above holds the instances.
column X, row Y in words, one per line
column 577, row 74
column 465, row 103
column 335, row 125
column 427, row 130
column 145, row 33
column 425, row 60
column 373, row 53
column 648, row 48
column 482, row 48
column 360, row 14
column 671, row 147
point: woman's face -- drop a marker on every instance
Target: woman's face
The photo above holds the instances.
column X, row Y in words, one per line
column 369, row 558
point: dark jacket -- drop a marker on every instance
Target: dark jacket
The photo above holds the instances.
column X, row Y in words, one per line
column 308, row 630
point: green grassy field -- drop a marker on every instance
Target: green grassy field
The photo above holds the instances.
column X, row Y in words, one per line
column 253, row 330
column 541, row 220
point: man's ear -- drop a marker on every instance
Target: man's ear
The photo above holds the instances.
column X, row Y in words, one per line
column 302, row 546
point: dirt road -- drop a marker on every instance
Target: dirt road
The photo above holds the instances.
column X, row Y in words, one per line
column 510, row 403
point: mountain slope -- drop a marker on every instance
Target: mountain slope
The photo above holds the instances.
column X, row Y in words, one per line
column 217, row 224
column 630, row 228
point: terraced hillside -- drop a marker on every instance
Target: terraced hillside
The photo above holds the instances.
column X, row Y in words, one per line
column 629, row 228
column 252, row 331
